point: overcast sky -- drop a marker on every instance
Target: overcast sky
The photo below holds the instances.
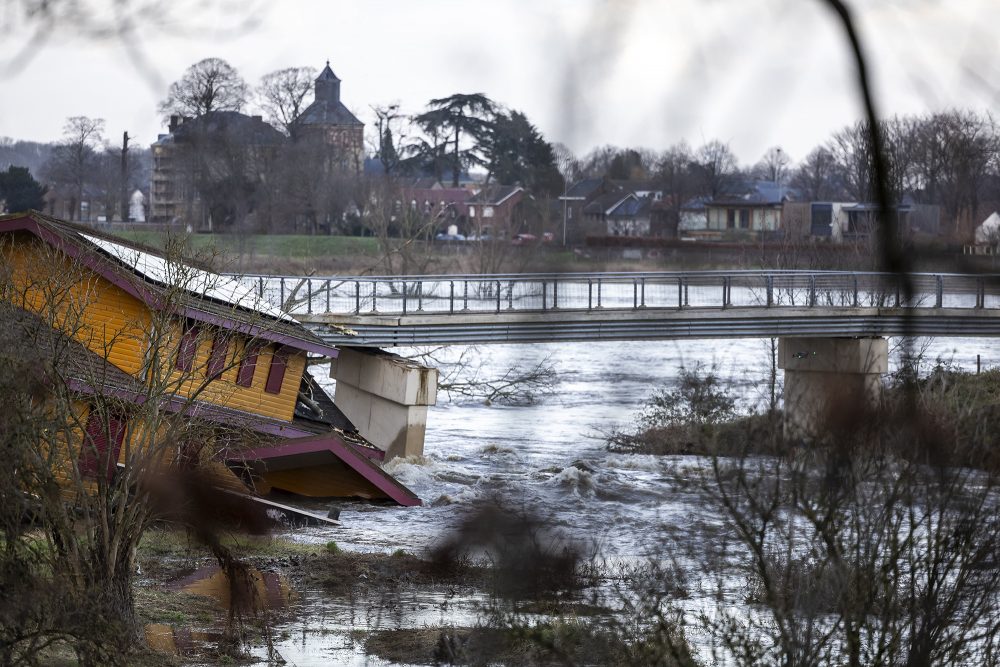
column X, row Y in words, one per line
column 754, row 73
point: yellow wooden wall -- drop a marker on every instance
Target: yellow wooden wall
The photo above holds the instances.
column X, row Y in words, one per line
column 99, row 314
column 224, row 390
column 115, row 325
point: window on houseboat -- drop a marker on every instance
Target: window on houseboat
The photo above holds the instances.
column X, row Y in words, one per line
column 248, row 365
column 188, row 348
column 102, row 441
column 276, row 374
column 217, row 360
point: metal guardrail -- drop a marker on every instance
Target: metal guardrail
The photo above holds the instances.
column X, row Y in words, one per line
column 356, row 297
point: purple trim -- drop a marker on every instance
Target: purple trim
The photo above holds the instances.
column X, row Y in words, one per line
column 196, row 410
column 28, row 223
column 114, row 392
column 219, row 414
column 382, row 480
column 368, row 452
column 264, row 333
column 149, row 297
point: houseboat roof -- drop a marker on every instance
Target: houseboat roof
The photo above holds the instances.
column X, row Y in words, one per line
column 28, row 337
column 161, row 282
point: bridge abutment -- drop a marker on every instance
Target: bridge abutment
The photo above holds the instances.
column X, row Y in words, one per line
column 386, row 396
column 828, row 380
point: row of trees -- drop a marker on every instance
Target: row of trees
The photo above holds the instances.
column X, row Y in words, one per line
column 949, row 158
column 453, row 134
column 302, row 184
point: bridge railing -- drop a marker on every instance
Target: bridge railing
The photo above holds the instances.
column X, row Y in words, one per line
column 456, row 294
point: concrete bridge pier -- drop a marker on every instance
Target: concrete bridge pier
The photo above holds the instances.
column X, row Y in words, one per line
column 386, row 396
column 830, row 380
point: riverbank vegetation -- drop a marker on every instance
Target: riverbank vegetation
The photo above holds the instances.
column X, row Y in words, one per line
column 872, row 543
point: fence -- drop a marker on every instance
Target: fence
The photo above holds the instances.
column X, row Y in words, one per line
column 459, row 294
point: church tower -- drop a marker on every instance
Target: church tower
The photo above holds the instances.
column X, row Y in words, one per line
column 329, row 122
column 328, row 86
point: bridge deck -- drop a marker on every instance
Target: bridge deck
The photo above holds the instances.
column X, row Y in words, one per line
column 569, row 326
column 422, row 310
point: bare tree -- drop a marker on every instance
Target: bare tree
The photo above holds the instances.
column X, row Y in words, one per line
column 955, row 155
column 91, row 505
column 851, row 148
column 874, row 547
column 678, row 182
column 390, row 145
column 817, row 177
column 109, row 180
column 716, row 167
column 597, row 162
column 209, row 85
column 312, row 193
column 855, row 156
column 773, row 166
column 567, row 162
column 283, row 94
column 76, row 156
column 466, row 376
column 403, row 228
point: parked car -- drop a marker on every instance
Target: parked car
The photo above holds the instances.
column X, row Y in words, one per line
column 449, row 237
column 523, row 239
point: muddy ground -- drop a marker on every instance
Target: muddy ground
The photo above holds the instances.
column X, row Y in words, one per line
column 184, row 603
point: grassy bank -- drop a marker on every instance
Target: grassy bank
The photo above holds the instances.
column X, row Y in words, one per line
column 277, row 253
column 352, row 255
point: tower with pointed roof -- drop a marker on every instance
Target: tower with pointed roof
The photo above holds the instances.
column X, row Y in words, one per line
column 329, row 122
column 328, row 86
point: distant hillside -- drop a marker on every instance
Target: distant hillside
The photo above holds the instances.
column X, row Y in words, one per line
column 30, row 154
column 34, row 155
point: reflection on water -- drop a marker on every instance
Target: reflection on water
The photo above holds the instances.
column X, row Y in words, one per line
column 178, row 640
column 270, row 589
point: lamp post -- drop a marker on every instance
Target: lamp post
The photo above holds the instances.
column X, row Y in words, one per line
column 565, row 203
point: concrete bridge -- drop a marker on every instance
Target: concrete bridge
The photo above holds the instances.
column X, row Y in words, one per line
column 831, row 324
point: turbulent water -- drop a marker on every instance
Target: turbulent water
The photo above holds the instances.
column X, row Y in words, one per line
column 549, row 458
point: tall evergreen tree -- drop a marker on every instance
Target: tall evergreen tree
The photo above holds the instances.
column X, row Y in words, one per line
column 20, row 191
column 462, row 114
column 518, row 153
